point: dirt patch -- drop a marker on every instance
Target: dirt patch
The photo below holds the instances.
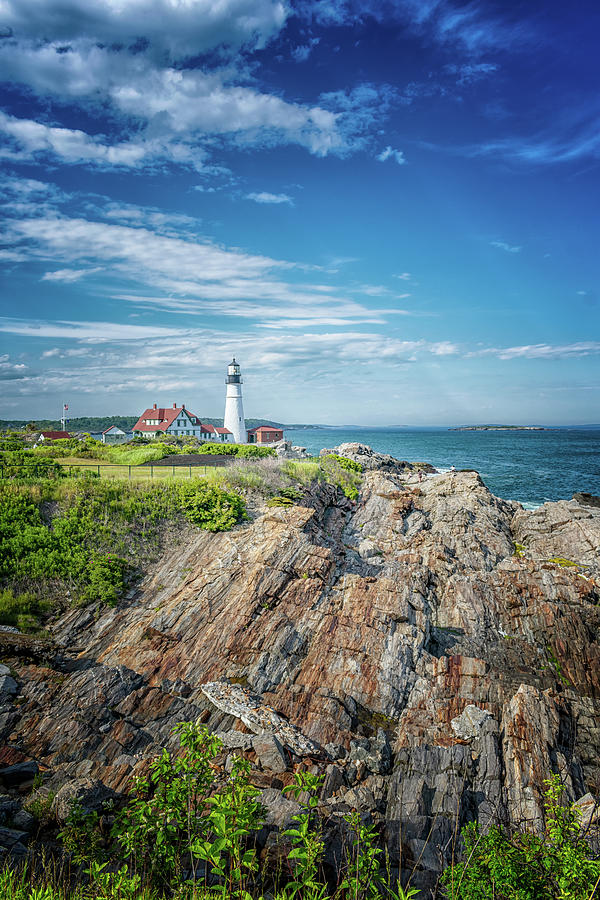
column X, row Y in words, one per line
column 192, row 459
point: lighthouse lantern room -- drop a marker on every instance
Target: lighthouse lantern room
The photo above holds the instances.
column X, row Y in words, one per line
column 234, row 407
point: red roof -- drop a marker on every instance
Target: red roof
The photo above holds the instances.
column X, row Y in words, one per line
column 223, row 430
column 106, row 430
column 265, row 428
column 165, row 418
column 209, row 429
column 55, row 435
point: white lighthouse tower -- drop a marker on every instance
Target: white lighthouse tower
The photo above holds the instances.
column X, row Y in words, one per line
column 234, row 408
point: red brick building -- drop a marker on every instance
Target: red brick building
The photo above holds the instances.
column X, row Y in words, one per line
column 264, row 434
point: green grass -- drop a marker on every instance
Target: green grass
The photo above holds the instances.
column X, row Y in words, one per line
column 23, row 611
column 131, row 471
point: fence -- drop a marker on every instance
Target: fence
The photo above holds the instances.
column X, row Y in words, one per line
column 97, row 469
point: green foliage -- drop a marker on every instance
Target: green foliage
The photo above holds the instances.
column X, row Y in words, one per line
column 519, row 549
column 342, row 472
column 280, row 500
column 28, row 465
column 348, row 464
column 166, row 815
column 81, row 835
column 243, row 451
column 328, row 469
column 307, row 842
column 119, row 885
column 22, row 610
column 11, row 442
column 93, row 540
column 562, row 562
column 234, row 814
column 210, row 506
column 363, row 878
column 30, row 549
column 524, row 866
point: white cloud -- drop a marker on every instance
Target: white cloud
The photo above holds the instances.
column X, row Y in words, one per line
column 470, row 27
column 92, row 332
column 470, row 72
column 75, row 146
column 177, row 109
column 541, row 351
column 390, row 153
column 405, row 276
column 191, row 276
column 303, row 51
column 266, row 197
column 68, row 276
column 508, row 248
column 179, row 28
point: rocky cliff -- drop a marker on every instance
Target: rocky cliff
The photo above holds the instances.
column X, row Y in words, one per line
column 431, row 649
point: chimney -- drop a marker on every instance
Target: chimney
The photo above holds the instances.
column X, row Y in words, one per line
column 155, row 406
column 174, row 406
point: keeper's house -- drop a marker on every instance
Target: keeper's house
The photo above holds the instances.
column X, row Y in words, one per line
column 264, row 434
column 178, row 421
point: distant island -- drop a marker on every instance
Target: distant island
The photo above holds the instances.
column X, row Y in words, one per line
column 499, row 428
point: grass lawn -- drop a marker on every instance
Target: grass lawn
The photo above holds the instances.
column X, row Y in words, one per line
column 133, row 472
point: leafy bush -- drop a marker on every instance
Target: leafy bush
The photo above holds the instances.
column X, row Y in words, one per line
column 344, row 473
column 209, row 506
column 22, row 611
column 307, row 844
column 27, row 465
column 348, row 464
column 280, row 501
column 244, row 451
column 499, row 865
column 30, row 549
column 98, row 531
column 11, row 442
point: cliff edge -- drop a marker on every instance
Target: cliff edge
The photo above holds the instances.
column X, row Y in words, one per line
column 431, row 649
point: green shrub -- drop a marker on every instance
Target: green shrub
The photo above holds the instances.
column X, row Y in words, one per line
column 244, row 451
column 22, row 611
column 27, row 465
column 499, row 865
column 348, row 464
column 209, row 506
column 280, row 501
column 344, row 473
column 166, row 813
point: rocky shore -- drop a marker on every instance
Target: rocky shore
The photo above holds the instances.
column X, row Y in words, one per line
column 431, row 649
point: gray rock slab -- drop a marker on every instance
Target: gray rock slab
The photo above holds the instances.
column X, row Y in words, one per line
column 270, row 752
column 8, row 685
column 257, row 716
column 10, row 836
column 19, row 773
column 468, row 725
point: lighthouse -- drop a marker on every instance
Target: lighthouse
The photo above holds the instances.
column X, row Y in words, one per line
column 234, row 408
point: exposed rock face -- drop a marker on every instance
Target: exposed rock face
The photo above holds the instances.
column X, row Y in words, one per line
column 368, row 458
column 432, row 675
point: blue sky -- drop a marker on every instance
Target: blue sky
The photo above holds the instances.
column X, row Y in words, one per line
column 387, row 210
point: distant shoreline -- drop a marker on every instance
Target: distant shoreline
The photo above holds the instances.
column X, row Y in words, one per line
column 501, row 428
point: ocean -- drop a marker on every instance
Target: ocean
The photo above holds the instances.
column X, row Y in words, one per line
column 529, row 466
